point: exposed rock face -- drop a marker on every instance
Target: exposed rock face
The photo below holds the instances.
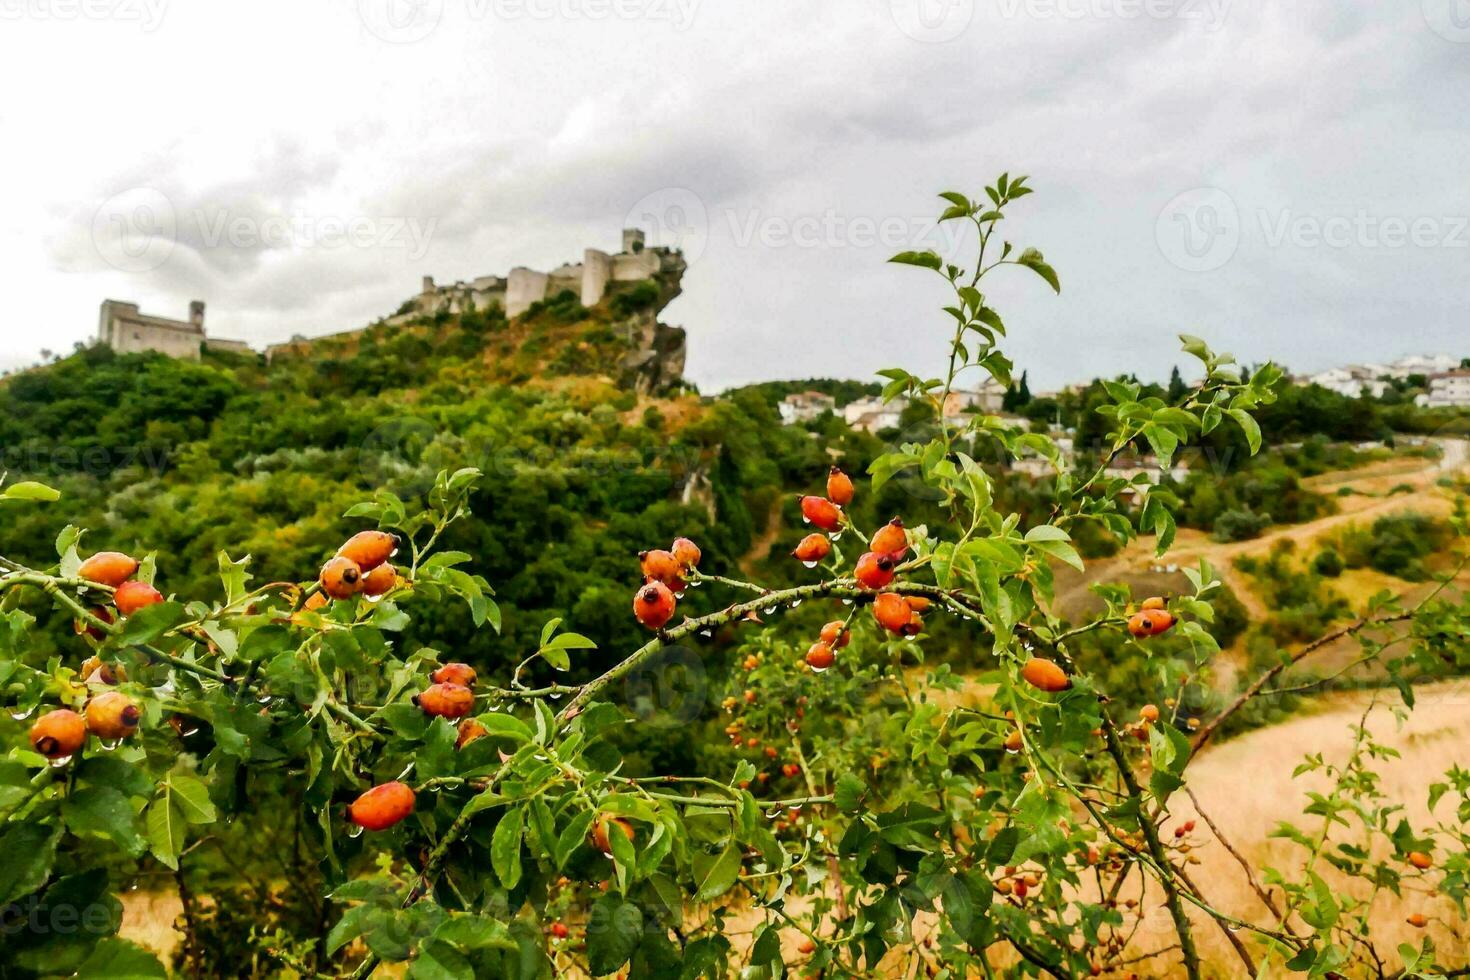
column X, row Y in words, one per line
column 655, row 362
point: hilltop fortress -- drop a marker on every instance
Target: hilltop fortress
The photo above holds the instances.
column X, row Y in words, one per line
column 650, row 277
column 591, row 280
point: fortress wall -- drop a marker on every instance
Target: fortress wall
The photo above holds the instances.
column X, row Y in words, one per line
column 526, row 286
column 596, row 271
column 633, row 267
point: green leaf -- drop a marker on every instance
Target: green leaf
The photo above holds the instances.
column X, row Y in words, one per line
column 927, row 260
column 1032, row 260
column 149, row 624
column 440, row 961
column 472, row 932
column 191, row 796
column 106, row 812
column 233, row 575
column 849, row 792
column 29, row 490
column 26, row 853
column 118, row 959
column 1249, row 426
column 165, row 831
column 505, row 847
column 613, row 931
column 715, row 875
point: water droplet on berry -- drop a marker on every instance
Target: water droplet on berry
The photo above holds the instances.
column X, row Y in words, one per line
column 355, row 830
column 820, row 670
column 108, row 744
column 810, row 564
column 59, row 761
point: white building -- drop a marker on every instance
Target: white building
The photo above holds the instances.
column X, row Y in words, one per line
column 1352, row 381
column 1425, row 364
column 986, row 399
column 1448, row 389
column 805, row 406
column 873, row 414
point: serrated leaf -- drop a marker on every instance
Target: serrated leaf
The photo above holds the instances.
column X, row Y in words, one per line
column 505, row 847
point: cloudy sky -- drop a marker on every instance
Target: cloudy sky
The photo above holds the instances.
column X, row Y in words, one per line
column 1285, row 177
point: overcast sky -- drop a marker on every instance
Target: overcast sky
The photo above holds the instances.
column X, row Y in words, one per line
column 1289, row 179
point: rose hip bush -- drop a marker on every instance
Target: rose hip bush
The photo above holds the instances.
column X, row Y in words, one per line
column 473, row 825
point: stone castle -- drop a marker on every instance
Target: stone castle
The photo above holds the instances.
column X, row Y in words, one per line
column 655, row 360
column 123, row 328
column 591, row 280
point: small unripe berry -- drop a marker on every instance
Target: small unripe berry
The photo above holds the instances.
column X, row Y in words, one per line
column 58, row 734
column 1421, row 860
column 461, row 674
column 133, row 596
column 111, row 568
column 821, row 512
column 1149, row 713
column 369, row 549
column 340, row 578
column 813, row 548
column 380, row 580
column 839, row 487
column 112, row 715
column 892, row 611
column 1418, row 920
column 559, row 930
column 836, row 634
column 686, row 552
column 890, row 538
column 653, row 604
column 382, row 806
column 446, row 701
column 1152, row 602
column 1014, row 741
column 791, row 770
column 1044, row 675
column 874, row 570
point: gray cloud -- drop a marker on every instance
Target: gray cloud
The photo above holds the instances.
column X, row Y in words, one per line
column 800, row 132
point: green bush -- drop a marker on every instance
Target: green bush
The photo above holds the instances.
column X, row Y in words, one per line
column 1328, row 563
column 1240, row 525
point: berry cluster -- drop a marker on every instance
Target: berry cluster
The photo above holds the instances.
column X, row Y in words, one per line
column 665, row 575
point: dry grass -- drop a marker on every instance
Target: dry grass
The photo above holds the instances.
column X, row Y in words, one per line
column 1245, row 786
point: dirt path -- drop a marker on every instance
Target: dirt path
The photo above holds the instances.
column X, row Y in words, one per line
column 761, row 546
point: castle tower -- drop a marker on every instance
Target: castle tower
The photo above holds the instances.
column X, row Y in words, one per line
column 196, row 315
column 633, row 240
